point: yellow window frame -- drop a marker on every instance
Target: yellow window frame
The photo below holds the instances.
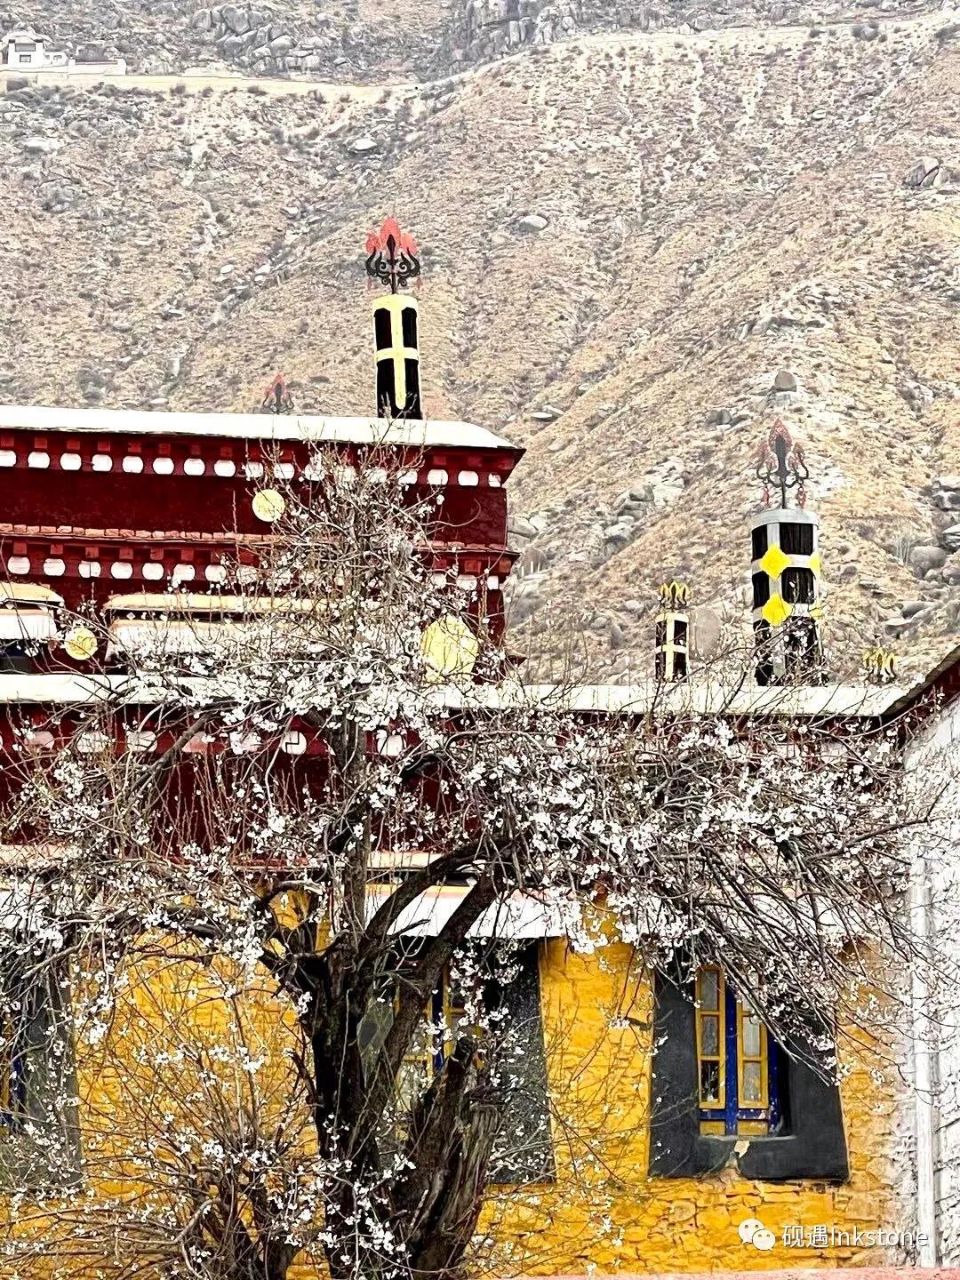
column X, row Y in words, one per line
column 720, row 1058
column 761, row 1058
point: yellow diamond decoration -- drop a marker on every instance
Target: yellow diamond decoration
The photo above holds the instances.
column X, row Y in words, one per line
column 815, row 562
column 268, row 505
column 776, row 610
column 774, row 562
column 80, row 643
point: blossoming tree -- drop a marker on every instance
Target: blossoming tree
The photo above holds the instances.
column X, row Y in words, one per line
column 224, row 880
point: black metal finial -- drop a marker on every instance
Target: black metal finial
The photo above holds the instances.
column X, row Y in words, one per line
column 392, row 256
column 278, row 398
column 781, row 465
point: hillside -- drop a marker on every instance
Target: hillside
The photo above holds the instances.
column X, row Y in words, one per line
column 627, row 236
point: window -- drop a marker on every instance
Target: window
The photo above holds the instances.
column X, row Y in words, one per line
column 712, row 1107
column 736, row 1062
column 13, row 1093
column 26, row 58
column 434, row 1042
column 523, row 1150
column 38, row 1139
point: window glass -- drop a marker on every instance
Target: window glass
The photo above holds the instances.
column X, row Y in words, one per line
column 736, row 1062
column 709, row 993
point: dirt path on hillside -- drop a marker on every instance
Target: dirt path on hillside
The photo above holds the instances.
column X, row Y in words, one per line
column 194, row 81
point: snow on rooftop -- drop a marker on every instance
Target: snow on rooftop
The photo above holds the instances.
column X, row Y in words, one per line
column 856, row 701
column 310, row 428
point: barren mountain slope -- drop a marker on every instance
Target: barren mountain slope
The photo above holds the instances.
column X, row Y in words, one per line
column 719, row 207
column 371, row 40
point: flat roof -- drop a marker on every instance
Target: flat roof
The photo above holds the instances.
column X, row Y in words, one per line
column 855, row 701
column 308, row 428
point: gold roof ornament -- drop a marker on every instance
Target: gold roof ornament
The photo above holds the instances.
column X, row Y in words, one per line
column 268, row 505
column 449, row 649
column 674, row 595
column 80, row 643
column 879, row 665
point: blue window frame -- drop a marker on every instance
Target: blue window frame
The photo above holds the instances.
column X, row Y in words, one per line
column 739, row 1067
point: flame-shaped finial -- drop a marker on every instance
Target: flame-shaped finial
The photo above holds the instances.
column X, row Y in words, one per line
column 781, row 464
column 277, row 397
column 673, row 595
column 880, row 665
column 392, row 256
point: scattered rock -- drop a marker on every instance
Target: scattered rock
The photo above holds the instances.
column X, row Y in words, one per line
column 546, row 414
column 633, row 499
column 719, row 418
column 927, row 557
column 910, row 608
column 950, row 573
column 533, row 224
column 950, row 538
column 948, row 482
column 520, row 528
column 362, row 145
column 784, row 381
column 923, row 173
column 40, row 146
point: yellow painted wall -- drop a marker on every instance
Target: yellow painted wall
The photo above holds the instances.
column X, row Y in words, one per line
column 604, row 1213
column 601, row 1214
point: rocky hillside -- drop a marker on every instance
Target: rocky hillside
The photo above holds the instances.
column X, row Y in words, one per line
column 639, row 248
column 352, row 40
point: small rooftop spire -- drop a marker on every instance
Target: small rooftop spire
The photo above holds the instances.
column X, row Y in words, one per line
column 781, row 465
column 392, row 256
column 879, row 665
column 277, row 398
column 672, row 641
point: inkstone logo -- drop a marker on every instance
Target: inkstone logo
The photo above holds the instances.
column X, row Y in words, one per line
column 752, row 1231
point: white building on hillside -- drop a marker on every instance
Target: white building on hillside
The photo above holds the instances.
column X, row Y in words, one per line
column 25, row 50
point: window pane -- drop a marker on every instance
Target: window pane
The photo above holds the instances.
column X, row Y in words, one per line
column 710, row 1036
column 751, row 1037
column 709, row 1081
column 709, row 989
column 752, row 1083
column 411, row 1083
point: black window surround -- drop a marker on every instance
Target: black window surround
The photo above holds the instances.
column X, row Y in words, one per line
column 814, row 1148
column 39, row 1140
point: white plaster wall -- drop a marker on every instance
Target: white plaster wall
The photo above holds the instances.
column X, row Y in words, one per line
column 934, row 762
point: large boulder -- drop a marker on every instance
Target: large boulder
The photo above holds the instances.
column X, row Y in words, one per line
column 235, row 19
column 926, row 557
column 925, row 172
